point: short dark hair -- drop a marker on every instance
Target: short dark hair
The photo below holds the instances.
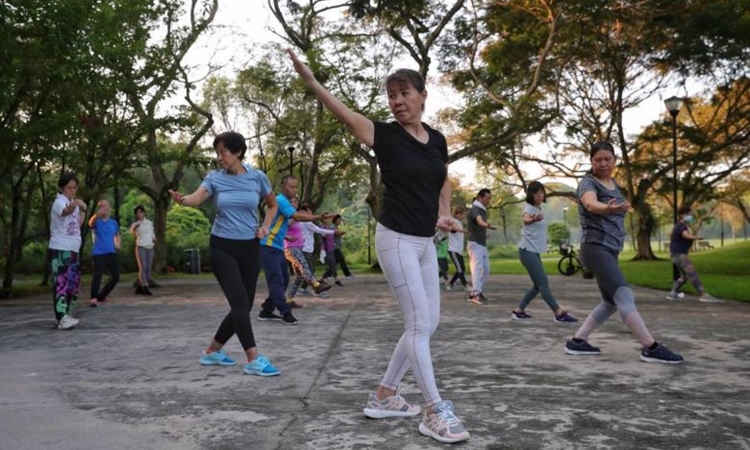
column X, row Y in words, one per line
column 532, row 189
column 336, row 217
column 233, row 141
column 482, row 192
column 66, row 178
column 139, row 208
column 684, row 210
column 286, row 178
column 602, row 145
column 406, row 76
column 305, row 206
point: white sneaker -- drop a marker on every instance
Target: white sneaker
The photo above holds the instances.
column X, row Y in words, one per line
column 393, row 406
column 67, row 322
column 440, row 423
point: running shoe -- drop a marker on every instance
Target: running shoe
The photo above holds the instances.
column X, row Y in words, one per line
column 708, row 298
column 350, row 276
column 393, row 406
column 516, row 315
column 153, row 284
column 564, row 317
column 217, row 358
column 661, row 354
column 673, row 296
column 478, row 299
column 440, row 423
column 321, row 286
column 261, row 366
column 146, row 291
column 581, row 348
column 449, row 287
column 266, row 316
column 67, row 322
column 288, row 319
column 338, row 283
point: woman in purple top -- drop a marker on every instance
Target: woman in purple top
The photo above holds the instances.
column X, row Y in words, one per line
column 293, row 244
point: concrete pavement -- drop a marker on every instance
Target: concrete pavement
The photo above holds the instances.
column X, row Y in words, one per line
column 128, row 377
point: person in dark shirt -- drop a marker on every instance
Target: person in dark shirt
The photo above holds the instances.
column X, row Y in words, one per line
column 412, row 159
column 679, row 245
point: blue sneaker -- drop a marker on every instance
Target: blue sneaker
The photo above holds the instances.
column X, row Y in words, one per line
column 261, row 366
column 516, row 315
column 217, row 358
column 564, row 317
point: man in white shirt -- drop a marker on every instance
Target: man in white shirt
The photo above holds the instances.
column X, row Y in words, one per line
column 309, row 229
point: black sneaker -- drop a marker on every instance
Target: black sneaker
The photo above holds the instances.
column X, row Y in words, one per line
column 581, row 348
column 139, row 290
column 153, row 284
column 146, row 291
column 520, row 315
column 321, row 287
column 338, row 283
column 661, row 354
column 265, row 315
column 288, row 319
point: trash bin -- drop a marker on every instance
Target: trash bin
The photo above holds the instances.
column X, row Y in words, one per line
column 192, row 263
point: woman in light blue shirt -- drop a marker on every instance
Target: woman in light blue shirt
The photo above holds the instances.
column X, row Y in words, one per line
column 533, row 243
column 234, row 248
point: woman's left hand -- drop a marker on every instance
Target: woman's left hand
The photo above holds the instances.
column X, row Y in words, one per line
column 445, row 224
column 261, row 232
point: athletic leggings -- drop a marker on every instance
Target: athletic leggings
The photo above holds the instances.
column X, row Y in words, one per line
column 236, row 265
column 409, row 264
column 687, row 272
column 330, row 260
column 104, row 263
column 302, row 272
column 616, row 294
column 145, row 258
column 458, row 261
column 443, row 268
column 66, row 279
column 533, row 264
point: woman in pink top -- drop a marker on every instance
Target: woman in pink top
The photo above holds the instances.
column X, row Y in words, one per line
column 293, row 244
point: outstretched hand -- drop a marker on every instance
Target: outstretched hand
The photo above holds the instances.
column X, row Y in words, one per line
column 304, row 72
column 445, row 223
column 176, row 196
column 614, row 207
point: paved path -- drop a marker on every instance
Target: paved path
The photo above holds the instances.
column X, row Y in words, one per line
column 128, row 377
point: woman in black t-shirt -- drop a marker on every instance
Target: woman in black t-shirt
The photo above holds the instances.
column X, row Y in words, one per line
column 412, row 158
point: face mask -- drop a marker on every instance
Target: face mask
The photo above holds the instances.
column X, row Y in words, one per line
column 688, row 218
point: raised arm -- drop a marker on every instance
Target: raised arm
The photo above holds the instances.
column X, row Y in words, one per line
column 594, row 206
column 360, row 126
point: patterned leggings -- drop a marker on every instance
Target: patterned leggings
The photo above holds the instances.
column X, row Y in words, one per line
column 687, row 272
column 66, row 279
column 302, row 272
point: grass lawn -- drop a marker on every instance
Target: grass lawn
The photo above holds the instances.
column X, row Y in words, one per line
column 725, row 272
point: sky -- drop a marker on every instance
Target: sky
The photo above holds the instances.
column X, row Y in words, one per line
column 241, row 25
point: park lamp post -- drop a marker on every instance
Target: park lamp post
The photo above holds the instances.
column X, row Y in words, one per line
column 673, row 105
column 291, row 159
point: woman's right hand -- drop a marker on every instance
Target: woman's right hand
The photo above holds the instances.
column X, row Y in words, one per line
column 176, row 196
column 302, row 69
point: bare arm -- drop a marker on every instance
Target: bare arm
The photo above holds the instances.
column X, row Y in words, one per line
column 271, row 210
column 300, row 216
column 594, row 206
column 195, row 199
column 117, row 241
column 528, row 218
column 690, row 237
column 360, row 126
column 482, row 223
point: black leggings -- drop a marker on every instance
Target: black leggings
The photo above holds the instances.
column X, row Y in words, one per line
column 236, row 264
column 458, row 261
column 102, row 264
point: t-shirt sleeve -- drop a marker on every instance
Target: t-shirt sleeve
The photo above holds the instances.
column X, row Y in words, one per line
column 586, row 185
column 442, row 144
column 285, row 208
column 57, row 207
column 380, row 134
column 208, row 183
column 528, row 209
column 265, row 185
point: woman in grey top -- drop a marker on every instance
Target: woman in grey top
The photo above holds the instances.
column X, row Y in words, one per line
column 602, row 209
column 533, row 243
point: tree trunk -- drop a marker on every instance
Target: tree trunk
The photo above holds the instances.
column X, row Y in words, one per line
column 646, row 224
column 161, row 206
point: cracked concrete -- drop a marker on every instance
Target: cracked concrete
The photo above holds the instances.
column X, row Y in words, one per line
column 128, row 376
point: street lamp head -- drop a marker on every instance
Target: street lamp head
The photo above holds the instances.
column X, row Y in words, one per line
column 673, row 105
column 290, row 149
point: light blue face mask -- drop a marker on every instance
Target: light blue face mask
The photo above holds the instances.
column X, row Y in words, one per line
column 688, row 218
